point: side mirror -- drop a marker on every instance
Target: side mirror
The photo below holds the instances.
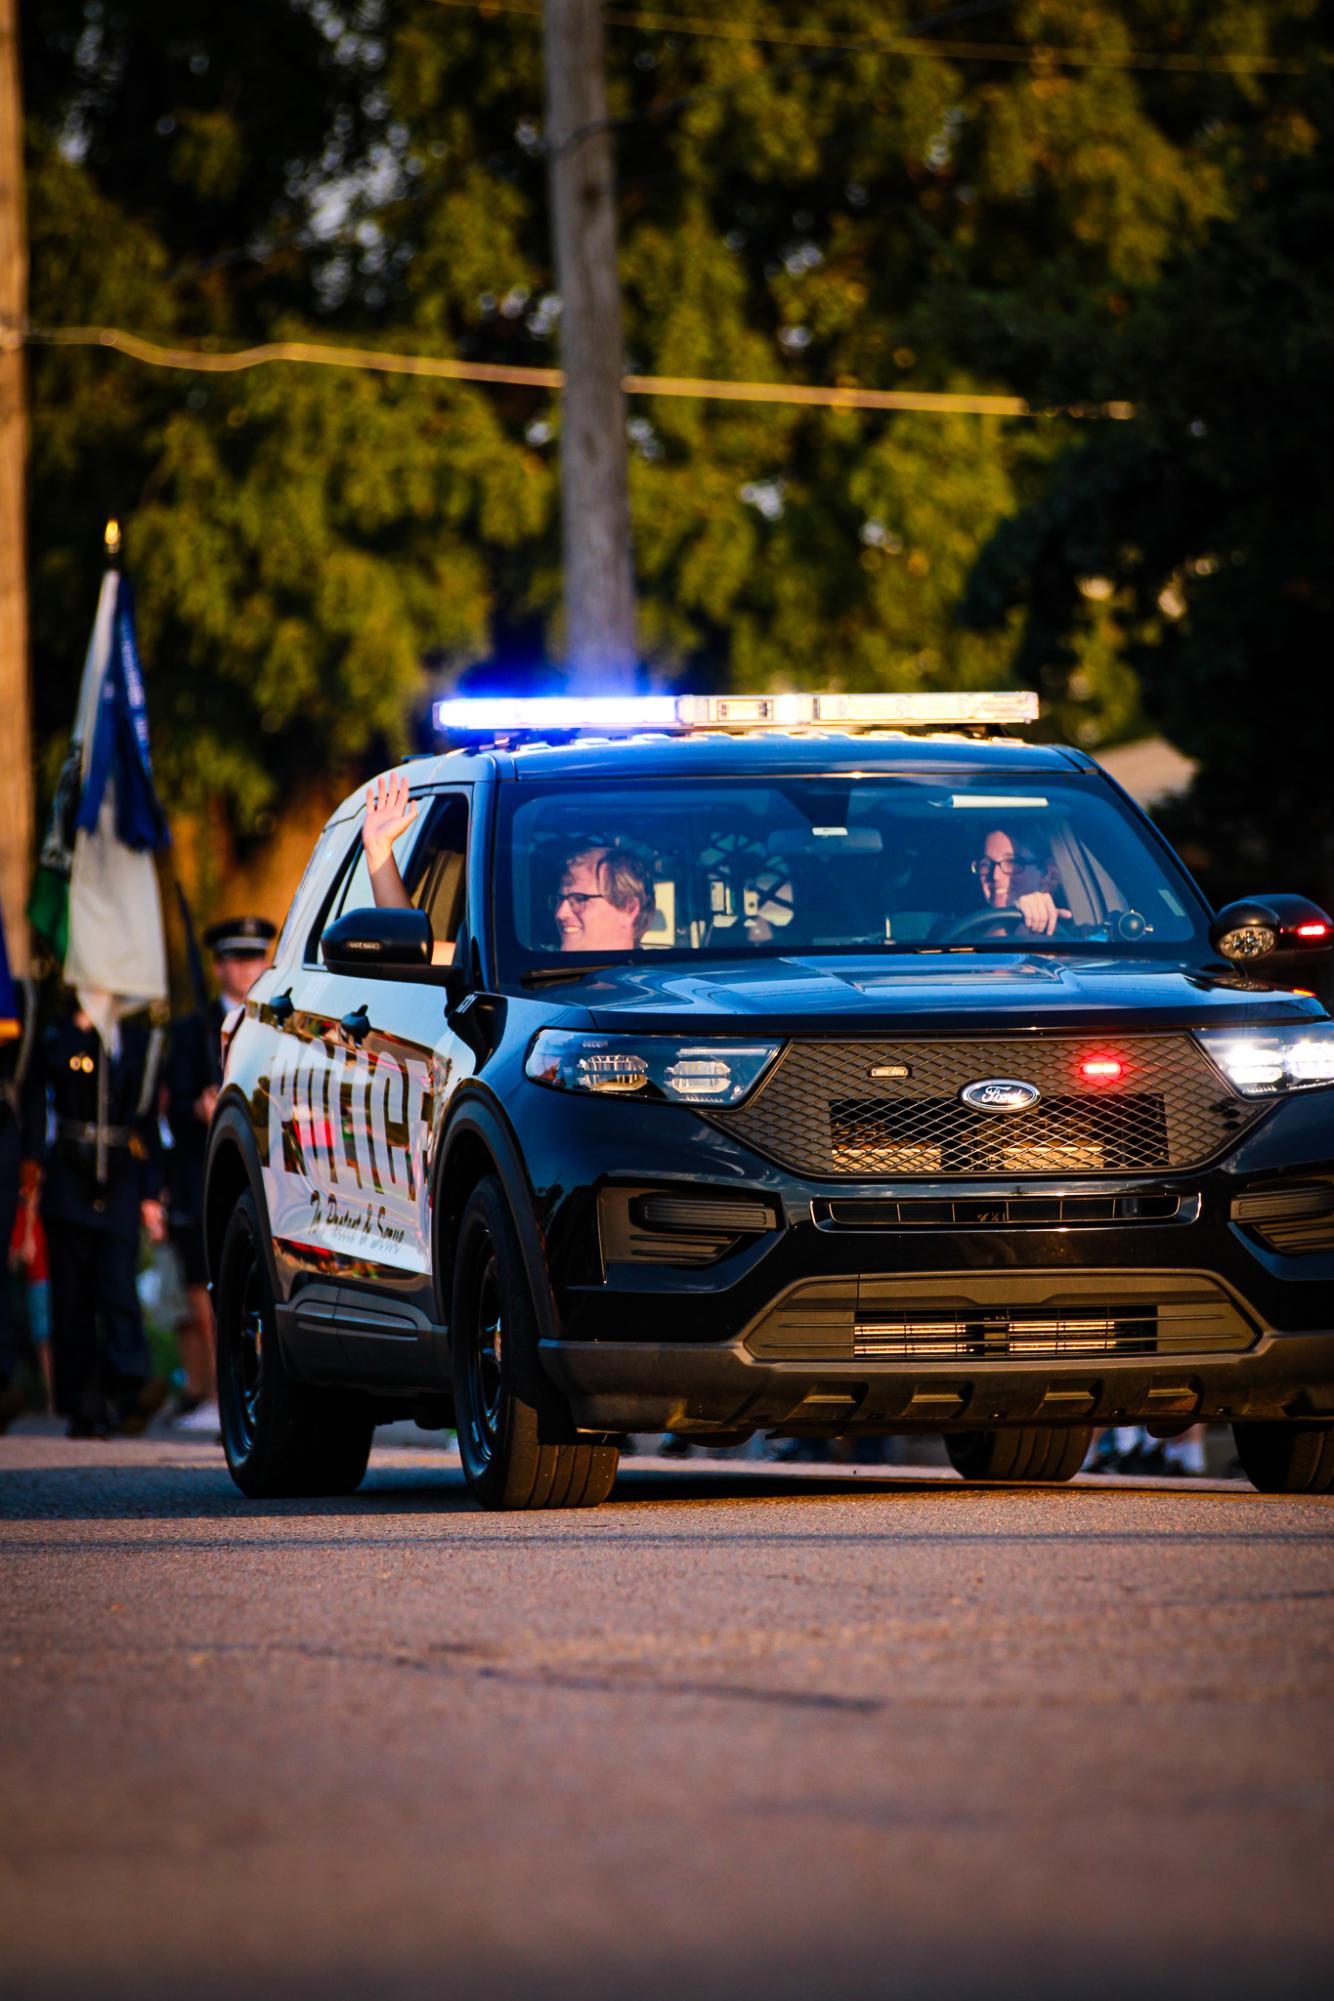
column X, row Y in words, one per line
column 378, row 942
column 1256, row 927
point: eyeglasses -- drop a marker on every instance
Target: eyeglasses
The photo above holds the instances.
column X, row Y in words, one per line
column 578, row 900
column 1006, row 865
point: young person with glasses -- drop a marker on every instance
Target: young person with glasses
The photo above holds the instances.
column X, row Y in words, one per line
column 604, row 902
column 1015, row 871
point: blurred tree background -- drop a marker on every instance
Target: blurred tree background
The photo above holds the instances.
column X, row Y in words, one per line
column 312, row 545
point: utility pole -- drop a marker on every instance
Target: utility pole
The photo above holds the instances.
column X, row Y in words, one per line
column 15, row 701
column 595, row 497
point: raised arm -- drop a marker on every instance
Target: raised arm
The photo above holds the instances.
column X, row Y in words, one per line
column 389, row 813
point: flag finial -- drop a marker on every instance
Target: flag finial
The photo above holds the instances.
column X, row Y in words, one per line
column 111, row 537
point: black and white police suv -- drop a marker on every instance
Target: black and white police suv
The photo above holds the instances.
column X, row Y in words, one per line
column 820, row 1065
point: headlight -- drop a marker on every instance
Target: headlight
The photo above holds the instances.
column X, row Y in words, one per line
column 1266, row 1062
column 649, row 1066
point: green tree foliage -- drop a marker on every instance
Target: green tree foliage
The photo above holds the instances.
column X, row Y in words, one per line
column 1206, row 523
column 354, row 169
column 300, row 538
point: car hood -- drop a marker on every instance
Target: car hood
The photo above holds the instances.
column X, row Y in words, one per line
column 927, row 992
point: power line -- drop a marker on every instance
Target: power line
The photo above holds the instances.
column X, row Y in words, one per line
column 388, row 361
column 1185, row 62
column 235, row 361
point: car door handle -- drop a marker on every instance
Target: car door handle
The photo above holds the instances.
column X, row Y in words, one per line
column 282, row 1007
column 357, row 1024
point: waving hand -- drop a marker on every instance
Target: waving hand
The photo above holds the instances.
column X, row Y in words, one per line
column 389, row 813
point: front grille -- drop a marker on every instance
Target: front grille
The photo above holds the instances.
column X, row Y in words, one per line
column 1000, row 1317
column 822, row 1113
column 989, row 1212
column 1007, row 1336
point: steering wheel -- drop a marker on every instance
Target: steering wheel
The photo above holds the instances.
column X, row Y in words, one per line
column 978, row 920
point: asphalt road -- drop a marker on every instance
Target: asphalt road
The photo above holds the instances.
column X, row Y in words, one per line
column 740, row 1732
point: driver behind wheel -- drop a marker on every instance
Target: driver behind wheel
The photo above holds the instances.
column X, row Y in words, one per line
column 1016, row 872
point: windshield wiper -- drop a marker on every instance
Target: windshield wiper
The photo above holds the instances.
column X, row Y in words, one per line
column 548, row 976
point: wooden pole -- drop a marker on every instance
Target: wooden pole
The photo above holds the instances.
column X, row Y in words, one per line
column 16, row 809
column 599, row 577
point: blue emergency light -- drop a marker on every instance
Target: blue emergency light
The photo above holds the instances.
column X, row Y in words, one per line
column 503, row 714
column 614, row 715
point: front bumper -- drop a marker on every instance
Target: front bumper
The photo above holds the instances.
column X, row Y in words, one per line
column 1239, row 1329
column 710, row 1390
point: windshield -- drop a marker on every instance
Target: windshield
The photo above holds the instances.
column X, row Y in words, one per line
column 601, row 871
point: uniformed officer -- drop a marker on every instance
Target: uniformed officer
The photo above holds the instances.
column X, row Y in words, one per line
column 92, row 1124
column 242, row 948
column 16, row 1050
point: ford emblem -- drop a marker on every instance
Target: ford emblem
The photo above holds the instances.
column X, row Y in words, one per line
column 1000, row 1094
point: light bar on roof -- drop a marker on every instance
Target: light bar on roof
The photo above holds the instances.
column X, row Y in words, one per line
column 856, row 711
column 747, row 712
column 967, row 707
column 512, row 715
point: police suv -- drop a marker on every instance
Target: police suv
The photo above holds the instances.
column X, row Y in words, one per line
column 821, row 1065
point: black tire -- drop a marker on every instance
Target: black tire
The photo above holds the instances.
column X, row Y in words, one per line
column 1045, row 1453
column 514, row 1434
column 1287, row 1458
column 282, row 1439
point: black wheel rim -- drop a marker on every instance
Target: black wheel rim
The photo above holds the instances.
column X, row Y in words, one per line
column 484, row 1360
column 245, row 1361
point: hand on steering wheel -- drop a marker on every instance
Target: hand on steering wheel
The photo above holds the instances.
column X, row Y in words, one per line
column 1040, row 911
column 978, row 922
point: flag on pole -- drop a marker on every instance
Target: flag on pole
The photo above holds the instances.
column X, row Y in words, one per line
column 97, row 893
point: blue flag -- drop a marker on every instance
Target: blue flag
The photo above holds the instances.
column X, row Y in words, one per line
column 119, row 747
column 115, row 957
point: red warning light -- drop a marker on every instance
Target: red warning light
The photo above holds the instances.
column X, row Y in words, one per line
column 1313, row 930
column 1102, row 1069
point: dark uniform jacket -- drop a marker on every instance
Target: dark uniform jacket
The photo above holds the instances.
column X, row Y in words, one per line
column 92, row 1120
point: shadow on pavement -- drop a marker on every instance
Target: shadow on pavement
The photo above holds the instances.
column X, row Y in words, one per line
column 159, row 1486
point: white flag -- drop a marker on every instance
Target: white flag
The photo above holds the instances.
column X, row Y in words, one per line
column 117, row 958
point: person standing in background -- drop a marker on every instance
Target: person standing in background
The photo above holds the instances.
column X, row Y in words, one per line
column 242, row 948
column 91, row 1134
